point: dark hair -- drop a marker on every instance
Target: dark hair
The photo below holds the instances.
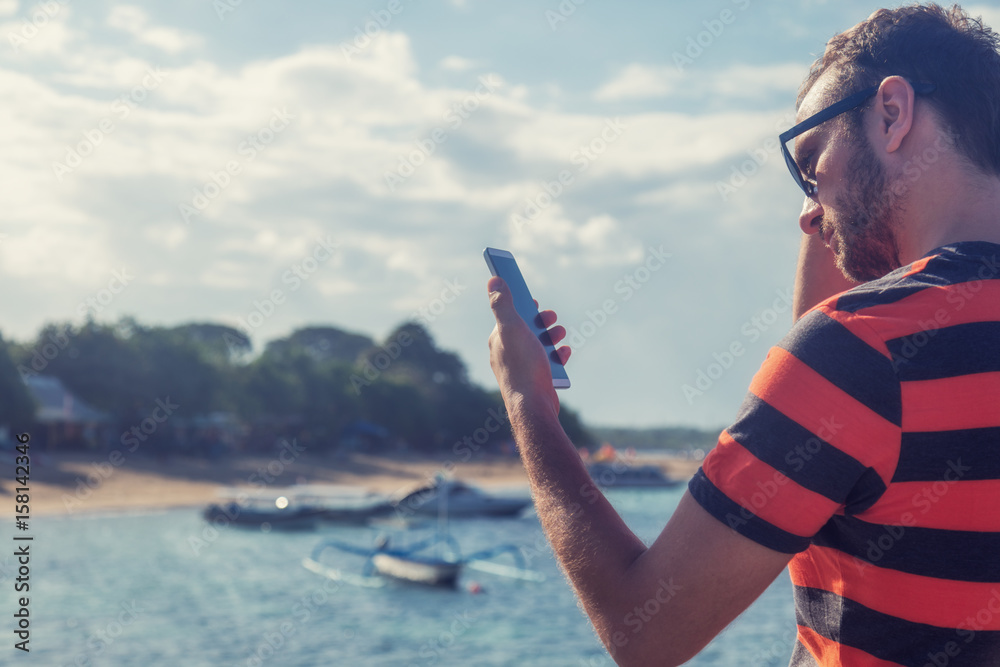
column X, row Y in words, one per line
column 945, row 47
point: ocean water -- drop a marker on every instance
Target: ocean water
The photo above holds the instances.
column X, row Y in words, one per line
column 166, row 589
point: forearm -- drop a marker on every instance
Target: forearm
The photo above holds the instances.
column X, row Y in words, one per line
column 816, row 276
column 589, row 538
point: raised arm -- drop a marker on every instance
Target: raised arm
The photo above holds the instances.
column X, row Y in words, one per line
column 650, row 606
column 817, row 276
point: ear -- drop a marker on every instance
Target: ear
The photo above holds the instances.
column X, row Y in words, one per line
column 894, row 108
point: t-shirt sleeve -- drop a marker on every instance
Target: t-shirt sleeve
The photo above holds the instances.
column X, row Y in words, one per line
column 818, row 434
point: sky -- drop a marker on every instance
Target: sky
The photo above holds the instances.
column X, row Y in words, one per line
column 279, row 165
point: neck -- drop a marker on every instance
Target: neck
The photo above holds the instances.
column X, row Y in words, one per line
column 957, row 209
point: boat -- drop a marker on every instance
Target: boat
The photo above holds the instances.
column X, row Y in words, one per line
column 462, row 499
column 279, row 517
column 413, row 565
column 435, row 561
column 340, row 503
column 618, row 475
column 299, row 507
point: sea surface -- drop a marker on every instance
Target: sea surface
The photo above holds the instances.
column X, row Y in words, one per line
column 168, row 589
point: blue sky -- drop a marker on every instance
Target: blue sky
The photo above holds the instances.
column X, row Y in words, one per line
column 274, row 165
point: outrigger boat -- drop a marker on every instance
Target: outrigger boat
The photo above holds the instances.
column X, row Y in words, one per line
column 410, row 564
column 415, row 564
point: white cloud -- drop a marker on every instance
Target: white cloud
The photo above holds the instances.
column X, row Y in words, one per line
column 457, row 64
column 8, row 7
column 639, row 81
column 649, row 180
column 135, row 21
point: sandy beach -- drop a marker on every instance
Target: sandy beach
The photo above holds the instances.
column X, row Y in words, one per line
column 69, row 484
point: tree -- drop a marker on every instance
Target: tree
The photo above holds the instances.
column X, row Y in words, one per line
column 17, row 408
column 222, row 344
column 322, row 344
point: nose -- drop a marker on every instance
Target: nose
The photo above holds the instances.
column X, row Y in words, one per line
column 812, row 213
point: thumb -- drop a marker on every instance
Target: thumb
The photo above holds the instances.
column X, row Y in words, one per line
column 501, row 300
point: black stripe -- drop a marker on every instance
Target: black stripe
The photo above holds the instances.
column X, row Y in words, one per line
column 930, row 552
column 972, row 454
column 806, row 459
column 958, row 263
column 894, row 639
column 882, row 292
column 852, row 365
column 742, row 520
column 962, row 349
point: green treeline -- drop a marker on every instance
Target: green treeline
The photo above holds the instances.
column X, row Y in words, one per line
column 321, row 385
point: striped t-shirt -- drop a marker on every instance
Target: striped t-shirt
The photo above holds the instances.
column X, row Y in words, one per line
column 869, row 446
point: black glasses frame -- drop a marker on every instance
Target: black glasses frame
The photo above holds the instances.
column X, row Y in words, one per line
column 832, row 111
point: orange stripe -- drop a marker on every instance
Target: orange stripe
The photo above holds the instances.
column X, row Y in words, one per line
column 829, row 653
column 942, row 603
column 966, row 401
column 950, row 505
column 861, row 327
column 829, row 413
column 763, row 490
column 918, row 266
column 934, row 308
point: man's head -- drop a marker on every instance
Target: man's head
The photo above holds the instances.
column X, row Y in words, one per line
column 860, row 203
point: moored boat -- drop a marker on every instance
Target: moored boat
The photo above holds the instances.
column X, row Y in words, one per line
column 462, row 500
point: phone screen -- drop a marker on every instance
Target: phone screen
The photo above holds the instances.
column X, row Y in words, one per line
column 502, row 264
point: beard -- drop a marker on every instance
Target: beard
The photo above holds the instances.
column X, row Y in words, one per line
column 864, row 226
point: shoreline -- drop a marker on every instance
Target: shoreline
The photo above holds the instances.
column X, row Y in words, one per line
column 75, row 484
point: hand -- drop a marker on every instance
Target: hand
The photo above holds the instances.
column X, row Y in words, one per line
column 516, row 355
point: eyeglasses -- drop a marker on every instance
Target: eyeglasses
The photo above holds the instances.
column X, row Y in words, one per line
column 851, row 102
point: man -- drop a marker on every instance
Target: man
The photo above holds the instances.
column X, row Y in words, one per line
column 866, row 456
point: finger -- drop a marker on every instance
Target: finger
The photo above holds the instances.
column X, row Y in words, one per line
column 548, row 318
column 556, row 334
column 536, row 302
column 500, row 300
column 564, row 353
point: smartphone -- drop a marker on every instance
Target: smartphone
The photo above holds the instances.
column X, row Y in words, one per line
column 502, row 264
